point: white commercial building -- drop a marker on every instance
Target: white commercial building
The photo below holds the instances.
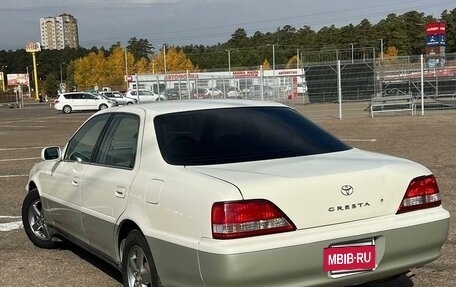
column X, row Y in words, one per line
column 278, row 83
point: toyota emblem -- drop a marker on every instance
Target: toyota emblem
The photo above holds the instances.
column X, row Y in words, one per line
column 346, row 190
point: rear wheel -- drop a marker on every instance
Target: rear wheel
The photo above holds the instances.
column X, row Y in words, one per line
column 402, row 280
column 138, row 268
column 103, row 106
column 66, row 109
column 34, row 221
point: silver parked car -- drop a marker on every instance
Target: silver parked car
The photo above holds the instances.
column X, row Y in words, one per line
column 118, row 97
column 233, row 193
column 144, row 96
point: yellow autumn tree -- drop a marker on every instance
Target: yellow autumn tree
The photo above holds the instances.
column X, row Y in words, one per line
column 96, row 69
column 291, row 64
column 266, row 65
column 115, row 68
column 176, row 61
column 391, row 52
column 89, row 71
column 390, row 57
column 142, row 66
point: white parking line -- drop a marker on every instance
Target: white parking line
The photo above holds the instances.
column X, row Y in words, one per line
column 20, row 148
column 18, row 159
column 359, row 140
column 13, row 175
column 13, row 127
column 8, row 226
column 9, row 217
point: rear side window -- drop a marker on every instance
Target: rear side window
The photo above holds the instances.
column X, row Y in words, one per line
column 118, row 147
column 230, row 135
column 88, row 97
column 72, row 96
column 145, row 93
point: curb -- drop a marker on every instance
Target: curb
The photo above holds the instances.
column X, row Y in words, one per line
column 9, row 105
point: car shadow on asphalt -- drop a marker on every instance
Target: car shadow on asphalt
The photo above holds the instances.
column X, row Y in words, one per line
column 105, row 267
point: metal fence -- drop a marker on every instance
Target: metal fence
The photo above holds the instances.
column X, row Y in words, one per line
column 335, row 83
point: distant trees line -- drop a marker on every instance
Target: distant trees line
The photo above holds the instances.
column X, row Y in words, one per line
column 82, row 67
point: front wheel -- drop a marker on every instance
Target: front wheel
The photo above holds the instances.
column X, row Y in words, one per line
column 103, row 106
column 34, row 221
column 138, row 268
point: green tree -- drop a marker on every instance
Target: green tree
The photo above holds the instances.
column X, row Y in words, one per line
column 414, row 29
column 140, row 48
column 238, row 38
column 394, row 29
column 450, row 18
column 51, row 86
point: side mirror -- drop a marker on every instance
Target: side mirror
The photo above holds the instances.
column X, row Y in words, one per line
column 50, row 153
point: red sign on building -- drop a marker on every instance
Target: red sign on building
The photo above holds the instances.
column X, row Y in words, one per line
column 435, row 28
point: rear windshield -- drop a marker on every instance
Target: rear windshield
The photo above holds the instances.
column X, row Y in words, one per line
column 228, row 135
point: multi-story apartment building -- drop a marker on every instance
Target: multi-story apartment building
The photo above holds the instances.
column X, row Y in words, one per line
column 59, row 32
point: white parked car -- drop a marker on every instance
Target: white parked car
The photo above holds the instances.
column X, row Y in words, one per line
column 144, row 96
column 233, row 193
column 81, row 101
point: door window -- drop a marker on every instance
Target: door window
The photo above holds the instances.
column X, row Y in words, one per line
column 81, row 146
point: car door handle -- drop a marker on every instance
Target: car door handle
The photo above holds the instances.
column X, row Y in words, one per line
column 120, row 192
column 75, row 181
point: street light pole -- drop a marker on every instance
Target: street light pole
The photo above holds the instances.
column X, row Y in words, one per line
column 61, row 72
column 273, row 59
column 351, row 44
column 3, row 77
column 164, row 57
column 229, row 61
column 28, row 82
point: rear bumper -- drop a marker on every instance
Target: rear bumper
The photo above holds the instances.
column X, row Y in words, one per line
column 296, row 258
column 400, row 247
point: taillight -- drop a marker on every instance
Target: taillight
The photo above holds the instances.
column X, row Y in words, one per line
column 422, row 192
column 238, row 219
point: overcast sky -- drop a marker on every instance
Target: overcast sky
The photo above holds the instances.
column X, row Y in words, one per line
column 180, row 22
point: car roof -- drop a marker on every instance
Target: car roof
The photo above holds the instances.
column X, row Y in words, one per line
column 166, row 107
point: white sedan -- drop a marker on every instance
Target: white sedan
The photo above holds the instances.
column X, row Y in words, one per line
column 233, row 193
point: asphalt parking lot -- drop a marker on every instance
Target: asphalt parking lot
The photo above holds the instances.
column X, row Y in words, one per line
column 428, row 139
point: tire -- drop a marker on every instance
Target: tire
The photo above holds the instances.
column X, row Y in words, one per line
column 102, row 107
column 35, row 222
column 66, row 109
column 138, row 268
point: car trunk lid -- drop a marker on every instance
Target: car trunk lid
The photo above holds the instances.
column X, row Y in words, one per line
column 324, row 189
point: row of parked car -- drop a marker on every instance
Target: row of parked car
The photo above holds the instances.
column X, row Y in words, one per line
column 94, row 100
column 79, row 101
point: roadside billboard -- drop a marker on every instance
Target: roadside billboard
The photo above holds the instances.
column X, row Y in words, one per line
column 435, row 28
column 17, row 79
